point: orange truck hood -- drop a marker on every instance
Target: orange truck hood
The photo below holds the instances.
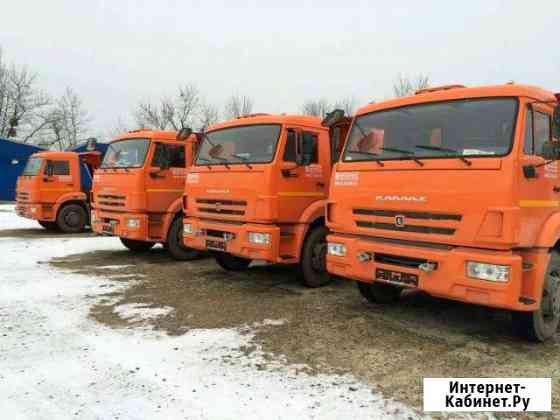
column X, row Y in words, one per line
column 236, row 194
column 119, row 186
column 443, row 202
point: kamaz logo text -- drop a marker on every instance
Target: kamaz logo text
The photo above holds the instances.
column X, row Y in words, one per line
column 413, row 198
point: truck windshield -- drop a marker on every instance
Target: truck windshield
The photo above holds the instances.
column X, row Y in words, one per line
column 33, row 166
column 129, row 153
column 239, row 145
column 459, row 128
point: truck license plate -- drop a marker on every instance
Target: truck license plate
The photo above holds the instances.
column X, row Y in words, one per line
column 216, row 245
column 396, row 277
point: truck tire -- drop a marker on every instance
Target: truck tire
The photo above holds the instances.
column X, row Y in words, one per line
column 541, row 325
column 72, row 218
column 137, row 246
column 313, row 264
column 231, row 262
column 377, row 292
column 174, row 244
column 50, row 226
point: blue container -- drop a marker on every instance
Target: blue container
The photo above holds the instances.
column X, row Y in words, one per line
column 13, row 158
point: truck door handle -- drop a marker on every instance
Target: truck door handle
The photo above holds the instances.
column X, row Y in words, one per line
column 556, row 189
column 320, row 184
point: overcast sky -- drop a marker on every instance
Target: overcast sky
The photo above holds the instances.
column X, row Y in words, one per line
column 116, row 52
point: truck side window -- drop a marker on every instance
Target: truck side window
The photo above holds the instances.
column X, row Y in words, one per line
column 537, row 131
column 542, row 131
column 315, row 156
column 57, row 167
column 175, row 154
column 528, row 141
column 290, row 148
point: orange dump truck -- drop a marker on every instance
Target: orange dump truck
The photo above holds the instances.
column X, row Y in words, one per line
column 454, row 191
column 54, row 189
column 138, row 188
column 258, row 189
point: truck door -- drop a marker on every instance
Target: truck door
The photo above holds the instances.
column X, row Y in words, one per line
column 539, row 195
column 165, row 176
column 57, row 180
column 300, row 187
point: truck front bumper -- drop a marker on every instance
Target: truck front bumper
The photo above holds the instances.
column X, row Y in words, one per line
column 369, row 260
column 36, row 211
column 233, row 239
column 123, row 225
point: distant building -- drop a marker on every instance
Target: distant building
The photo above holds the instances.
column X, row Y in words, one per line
column 13, row 157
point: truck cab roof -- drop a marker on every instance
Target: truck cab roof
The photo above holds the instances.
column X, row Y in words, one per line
column 149, row 134
column 303, row 120
column 448, row 93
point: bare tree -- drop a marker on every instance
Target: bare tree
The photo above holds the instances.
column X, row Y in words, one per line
column 347, row 104
column 317, row 108
column 120, row 126
column 208, row 115
column 237, row 106
column 22, row 103
column 170, row 113
column 66, row 123
column 405, row 86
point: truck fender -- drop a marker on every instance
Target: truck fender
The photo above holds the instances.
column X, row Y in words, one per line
column 550, row 232
column 75, row 196
column 175, row 208
column 312, row 213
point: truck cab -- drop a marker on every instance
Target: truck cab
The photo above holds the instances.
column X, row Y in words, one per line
column 138, row 188
column 54, row 189
column 257, row 191
column 454, row 191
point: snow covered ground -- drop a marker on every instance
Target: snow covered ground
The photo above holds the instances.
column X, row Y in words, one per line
column 56, row 363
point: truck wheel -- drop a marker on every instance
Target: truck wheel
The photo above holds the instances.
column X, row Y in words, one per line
column 50, row 226
column 542, row 324
column 72, row 218
column 313, row 265
column 137, row 246
column 174, row 244
column 231, row 262
column 377, row 292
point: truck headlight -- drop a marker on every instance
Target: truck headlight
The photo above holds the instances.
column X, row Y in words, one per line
column 33, row 209
column 338, row 250
column 259, row 238
column 187, row 229
column 486, row 271
column 93, row 217
column 133, row 223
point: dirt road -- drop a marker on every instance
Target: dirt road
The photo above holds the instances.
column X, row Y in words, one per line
column 327, row 329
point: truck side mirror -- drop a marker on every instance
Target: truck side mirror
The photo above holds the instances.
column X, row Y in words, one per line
column 332, row 117
column 551, row 150
column 556, row 122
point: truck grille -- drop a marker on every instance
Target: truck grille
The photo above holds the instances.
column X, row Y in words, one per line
column 377, row 219
column 225, row 207
column 111, row 200
column 22, row 197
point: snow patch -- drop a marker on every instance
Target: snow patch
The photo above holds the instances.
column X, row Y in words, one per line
column 138, row 312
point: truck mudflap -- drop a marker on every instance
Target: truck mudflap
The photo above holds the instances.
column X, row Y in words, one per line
column 123, row 225
column 439, row 270
column 232, row 238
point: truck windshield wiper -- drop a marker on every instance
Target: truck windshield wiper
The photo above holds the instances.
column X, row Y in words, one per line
column 445, row 149
column 221, row 159
column 378, row 161
column 404, row 152
column 206, row 160
column 243, row 158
